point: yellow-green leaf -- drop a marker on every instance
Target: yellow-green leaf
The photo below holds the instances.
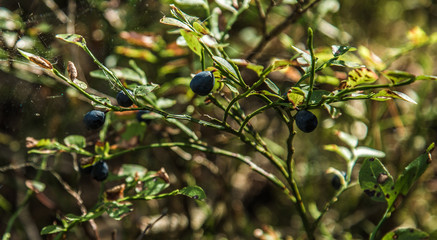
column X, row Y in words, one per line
column 360, row 76
column 192, row 41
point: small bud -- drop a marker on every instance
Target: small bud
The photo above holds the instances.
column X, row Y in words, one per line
column 72, row 71
column 40, row 61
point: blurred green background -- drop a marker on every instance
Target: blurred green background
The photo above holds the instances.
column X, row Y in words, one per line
column 33, row 104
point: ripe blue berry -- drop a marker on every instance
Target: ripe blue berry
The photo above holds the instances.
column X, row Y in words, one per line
column 140, row 114
column 336, row 182
column 123, row 100
column 202, row 83
column 306, row 121
column 100, row 170
column 94, row 119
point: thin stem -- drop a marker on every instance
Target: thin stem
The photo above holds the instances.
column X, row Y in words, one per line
column 111, row 74
column 215, row 150
column 234, row 18
column 253, row 114
column 328, row 205
column 29, row 193
column 87, row 95
column 292, row 18
column 313, row 64
column 385, row 217
column 292, row 182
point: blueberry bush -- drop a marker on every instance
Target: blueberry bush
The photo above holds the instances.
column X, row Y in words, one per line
column 177, row 119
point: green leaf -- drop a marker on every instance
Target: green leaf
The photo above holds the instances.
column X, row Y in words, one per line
column 192, row 41
column 295, row 96
column 175, row 22
column 35, row 185
column 176, row 12
column 121, row 73
column 225, row 65
column 226, row 4
column 360, row 76
column 413, row 171
column 102, row 150
column 387, row 94
column 303, row 55
column 376, row 181
column 333, row 111
column 317, row 96
column 118, row 211
column 165, row 103
column 52, row 229
column 134, row 129
column 200, row 27
column 195, row 192
column 426, row 77
column 153, row 186
column 279, row 64
column 406, row 234
column 397, row 76
column 326, row 79
column 131, row 170
column 350, row 140
column 75, row 140
column 72, row 218
column 80, row 84
column 340, row 150
column 272, row 86
column 368, row 152
column 139, row 53
column 340, row 50
column 231, row 87
column 106, row 102
column 144, row 90
column 73, row 38
column 191, row 2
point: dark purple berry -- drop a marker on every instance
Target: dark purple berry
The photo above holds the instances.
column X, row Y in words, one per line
column 94, row 119
column 202, row 83
column 306, row 121
column 123, row 100
column 100, row 170
column 336, row 180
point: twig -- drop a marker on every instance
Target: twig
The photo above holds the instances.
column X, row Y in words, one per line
column 150, row 225
column 79, row 201
column 292, row 18
column 292, row 182
column 29, row 193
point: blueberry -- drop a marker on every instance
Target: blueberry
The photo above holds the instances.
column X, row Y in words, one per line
column 94, row 119
column 100, row 170
column 140, row 114
column 306, row 121
column 123, row 100
column 336, row 182
column 202, row 83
